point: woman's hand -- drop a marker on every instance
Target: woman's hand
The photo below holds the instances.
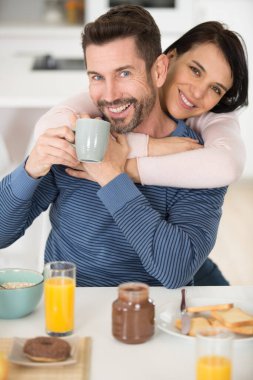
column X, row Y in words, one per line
column 171, row 145
column 161, row 147
column 112, row 165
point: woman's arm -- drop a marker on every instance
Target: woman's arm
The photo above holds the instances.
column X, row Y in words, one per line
column 65, row 113
column 219, row 164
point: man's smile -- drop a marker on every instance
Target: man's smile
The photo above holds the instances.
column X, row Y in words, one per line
column 119, row 109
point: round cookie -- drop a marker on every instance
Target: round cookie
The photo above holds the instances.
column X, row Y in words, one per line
column 47, row 349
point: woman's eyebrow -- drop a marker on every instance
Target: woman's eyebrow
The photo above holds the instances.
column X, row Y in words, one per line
column 204, row 70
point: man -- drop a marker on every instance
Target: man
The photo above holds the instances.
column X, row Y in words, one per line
column 114, row 230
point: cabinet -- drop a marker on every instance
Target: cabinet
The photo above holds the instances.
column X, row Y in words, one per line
column 34, row 40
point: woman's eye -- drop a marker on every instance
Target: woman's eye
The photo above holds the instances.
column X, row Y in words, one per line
column 216, row 89
column 124, row 74
column 195, row 70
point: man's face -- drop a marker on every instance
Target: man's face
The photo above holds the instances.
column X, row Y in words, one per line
column 119, row 84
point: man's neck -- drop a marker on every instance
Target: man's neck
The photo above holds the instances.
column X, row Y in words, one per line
column 157, row 125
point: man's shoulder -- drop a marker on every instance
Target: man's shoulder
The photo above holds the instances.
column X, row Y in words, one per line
column 182, row 130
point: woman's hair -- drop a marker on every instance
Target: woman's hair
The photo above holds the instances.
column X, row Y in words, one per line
column 234, row 50
column 126, row 21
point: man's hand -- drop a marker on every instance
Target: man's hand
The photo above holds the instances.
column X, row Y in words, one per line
column 112, row 165
column 171, row 145
column 52, row 147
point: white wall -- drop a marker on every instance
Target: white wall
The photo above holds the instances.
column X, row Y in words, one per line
column 21, row 10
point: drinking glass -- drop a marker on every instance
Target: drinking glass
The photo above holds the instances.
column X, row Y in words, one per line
column 214, row 354
column 4, row 366
column 59, row 293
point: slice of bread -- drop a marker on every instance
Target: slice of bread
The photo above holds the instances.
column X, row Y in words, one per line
column 233, row 318
column 199, row 309
column 197, row 324
column 244, row 330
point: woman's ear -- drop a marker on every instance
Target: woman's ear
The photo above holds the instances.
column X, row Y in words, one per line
column 161, row 69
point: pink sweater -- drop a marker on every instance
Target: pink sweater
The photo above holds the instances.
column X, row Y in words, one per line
column 220, row 163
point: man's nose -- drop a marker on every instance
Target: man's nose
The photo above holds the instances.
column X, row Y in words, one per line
column 112, row 91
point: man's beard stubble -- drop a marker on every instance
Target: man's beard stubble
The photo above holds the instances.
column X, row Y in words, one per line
column 142, row 109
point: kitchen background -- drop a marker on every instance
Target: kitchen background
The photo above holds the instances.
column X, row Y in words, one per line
column 46, row 33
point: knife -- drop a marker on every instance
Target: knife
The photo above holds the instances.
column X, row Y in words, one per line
column 185, row 318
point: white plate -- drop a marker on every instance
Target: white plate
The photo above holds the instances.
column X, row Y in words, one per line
column 17, row 355
column 170, row 312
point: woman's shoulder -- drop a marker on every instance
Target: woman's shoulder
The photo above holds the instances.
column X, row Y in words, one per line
column 206, row 119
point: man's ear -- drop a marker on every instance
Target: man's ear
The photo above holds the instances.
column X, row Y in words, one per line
column 160, row 69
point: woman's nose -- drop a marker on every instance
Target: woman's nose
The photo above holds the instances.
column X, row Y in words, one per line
column 199, row 90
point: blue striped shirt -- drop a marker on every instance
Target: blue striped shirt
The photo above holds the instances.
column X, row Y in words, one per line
column 120, row 232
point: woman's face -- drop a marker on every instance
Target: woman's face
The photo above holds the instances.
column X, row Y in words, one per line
column 196, row 81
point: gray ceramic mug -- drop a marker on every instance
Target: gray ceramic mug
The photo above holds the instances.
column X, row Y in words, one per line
column 91, row 139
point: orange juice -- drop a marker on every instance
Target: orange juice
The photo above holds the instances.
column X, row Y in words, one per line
column 3, row 366
column 59, row 304
column 213, row 368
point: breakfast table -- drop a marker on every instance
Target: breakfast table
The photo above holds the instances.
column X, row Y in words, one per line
column 165, row 356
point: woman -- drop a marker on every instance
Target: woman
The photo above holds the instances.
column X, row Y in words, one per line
column 197, row 83
column 200, row 100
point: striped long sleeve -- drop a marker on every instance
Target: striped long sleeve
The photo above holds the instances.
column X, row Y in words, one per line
column 121, row 232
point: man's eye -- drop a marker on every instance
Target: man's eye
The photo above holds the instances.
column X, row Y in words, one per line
column 195, row 70
column 216, row 89
column 124, row 74
column 96, row 77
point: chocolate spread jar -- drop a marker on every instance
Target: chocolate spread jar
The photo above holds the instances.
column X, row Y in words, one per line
column 133, row 314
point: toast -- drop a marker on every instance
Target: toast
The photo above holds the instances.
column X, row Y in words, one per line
column 197, row 324
column 199, row 309
column 233, row 318
column 243, row 330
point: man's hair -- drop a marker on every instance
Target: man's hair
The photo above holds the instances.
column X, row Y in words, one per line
column 234, row 50
column 126, row 21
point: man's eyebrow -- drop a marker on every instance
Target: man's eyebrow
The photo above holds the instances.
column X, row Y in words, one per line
column 204, row 70
column 92, row 72
column 121, row 68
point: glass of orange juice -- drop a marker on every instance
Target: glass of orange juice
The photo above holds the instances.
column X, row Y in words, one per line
column 59, row 294
column 214, row 354
column 4, row 367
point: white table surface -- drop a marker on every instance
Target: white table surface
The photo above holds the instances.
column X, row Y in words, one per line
column 164, row 357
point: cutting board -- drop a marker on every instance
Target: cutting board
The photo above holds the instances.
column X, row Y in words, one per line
column 78, row 371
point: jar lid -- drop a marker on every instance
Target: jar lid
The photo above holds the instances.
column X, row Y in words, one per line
column 133, row 291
